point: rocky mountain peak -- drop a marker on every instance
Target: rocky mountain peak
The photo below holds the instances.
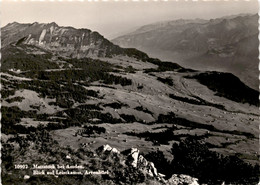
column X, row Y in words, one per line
column 53, row 24
column 64, row 41
column 35, row 23
column 12, row 23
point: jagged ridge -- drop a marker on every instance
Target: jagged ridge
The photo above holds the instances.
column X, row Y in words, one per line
column 66, row 41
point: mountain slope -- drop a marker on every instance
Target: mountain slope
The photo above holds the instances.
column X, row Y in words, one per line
column 65, row 41
column 227, row 44
column 63, row 108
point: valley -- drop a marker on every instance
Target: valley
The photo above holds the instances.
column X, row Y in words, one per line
column 227, row 44
column 70, row 103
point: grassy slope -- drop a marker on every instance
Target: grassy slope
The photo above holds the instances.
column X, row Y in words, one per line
column 90, row 90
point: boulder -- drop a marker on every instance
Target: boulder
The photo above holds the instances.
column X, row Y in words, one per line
column 107, row 148
column 26, row 177
column 180, row 179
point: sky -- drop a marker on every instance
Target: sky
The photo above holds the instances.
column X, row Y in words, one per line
column 112, row 18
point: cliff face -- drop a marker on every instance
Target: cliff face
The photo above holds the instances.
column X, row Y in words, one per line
column 65, row 41
column 48, row 96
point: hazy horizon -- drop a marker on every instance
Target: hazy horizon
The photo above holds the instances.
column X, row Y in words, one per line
column 112, row 19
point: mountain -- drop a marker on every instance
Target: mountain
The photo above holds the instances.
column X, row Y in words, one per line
column 228, row 44
column 65, row 41
column 164, row 123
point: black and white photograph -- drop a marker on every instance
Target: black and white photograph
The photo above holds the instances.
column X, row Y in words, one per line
column 140, row 92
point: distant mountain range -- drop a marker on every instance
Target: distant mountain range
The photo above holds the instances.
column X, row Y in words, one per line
column 67, row 93
column 227, row 44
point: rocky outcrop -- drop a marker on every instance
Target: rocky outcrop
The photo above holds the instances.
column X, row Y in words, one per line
column 68, row 41
column 132, row 157
column 149, row 168
column 138, row 161
column 134, row 153
column 181, row 179
column 65, row 41
column 107, row 149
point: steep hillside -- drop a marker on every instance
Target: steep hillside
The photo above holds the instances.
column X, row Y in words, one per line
column 65, row 41
column 60, row 109
column 227, row 44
